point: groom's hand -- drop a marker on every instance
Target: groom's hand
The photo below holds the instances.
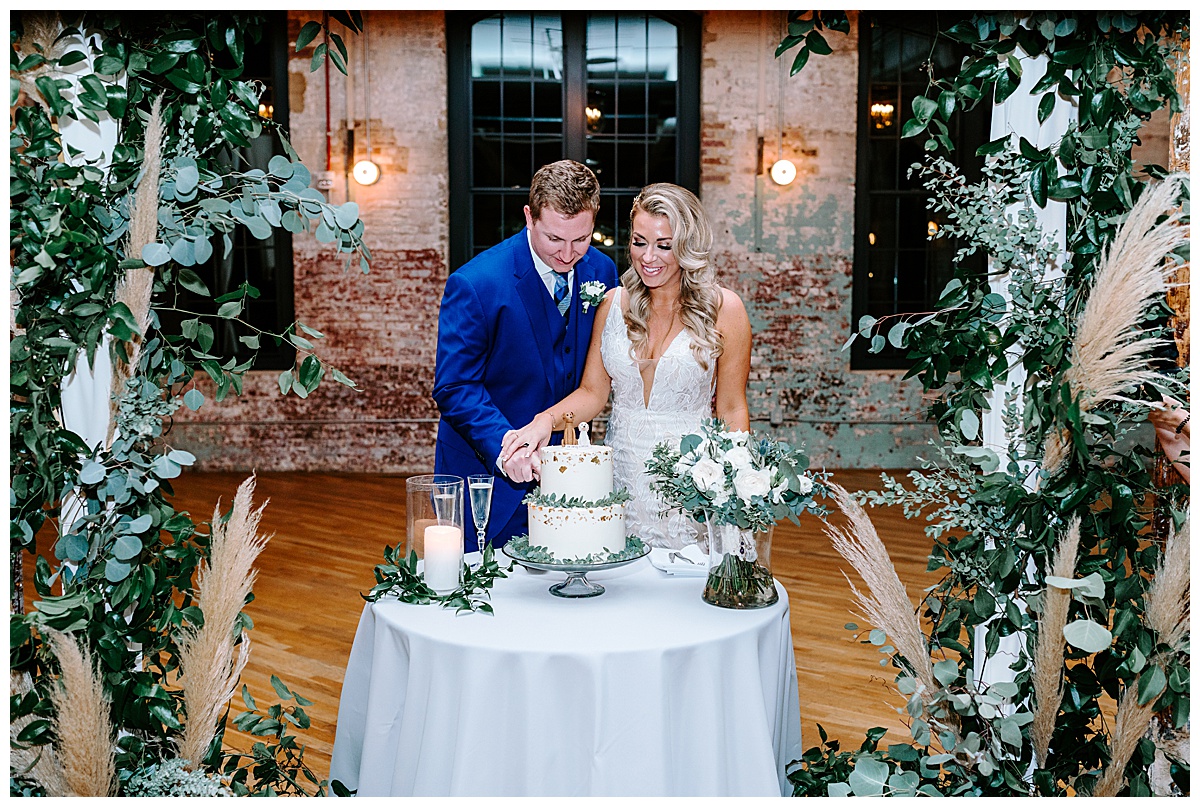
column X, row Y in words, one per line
column 523, row 465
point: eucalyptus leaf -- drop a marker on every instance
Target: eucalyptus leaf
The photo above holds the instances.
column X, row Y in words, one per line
column 115, row 571
column 155, row 254
column 869, row 777
column 1087, row 635
column 126, row 547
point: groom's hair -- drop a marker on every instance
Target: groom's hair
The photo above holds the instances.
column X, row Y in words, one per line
column 566, row 187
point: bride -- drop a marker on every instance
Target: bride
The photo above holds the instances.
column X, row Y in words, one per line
column 663, row 344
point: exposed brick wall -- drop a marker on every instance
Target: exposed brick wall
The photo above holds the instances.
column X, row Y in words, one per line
column 379, row 327
column 786, row 250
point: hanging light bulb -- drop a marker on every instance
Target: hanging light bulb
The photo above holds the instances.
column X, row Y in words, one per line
column 365, row 172
column 783, row 172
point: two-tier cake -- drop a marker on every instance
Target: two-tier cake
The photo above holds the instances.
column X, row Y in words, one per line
column 575, row 512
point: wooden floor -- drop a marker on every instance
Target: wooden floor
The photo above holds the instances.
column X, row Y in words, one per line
column 330, row 531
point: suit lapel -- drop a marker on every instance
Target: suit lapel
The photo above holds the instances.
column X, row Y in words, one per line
column 533, row 295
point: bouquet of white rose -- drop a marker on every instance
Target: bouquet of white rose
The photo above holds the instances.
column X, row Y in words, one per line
column 739, row 484
column 738, row 478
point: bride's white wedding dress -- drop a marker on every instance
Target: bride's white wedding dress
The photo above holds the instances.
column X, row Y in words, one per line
column 680, row 398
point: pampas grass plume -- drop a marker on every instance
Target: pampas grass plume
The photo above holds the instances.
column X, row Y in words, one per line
column 887, row 606
column 39, row 762
column 81, row 721
column 1048, row 654
column 1110, row 353
column 209, row 670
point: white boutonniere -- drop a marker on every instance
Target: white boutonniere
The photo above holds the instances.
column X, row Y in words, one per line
column 592, row 293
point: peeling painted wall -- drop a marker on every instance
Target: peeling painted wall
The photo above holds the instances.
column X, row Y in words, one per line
column 379, row 327
column 787, row 251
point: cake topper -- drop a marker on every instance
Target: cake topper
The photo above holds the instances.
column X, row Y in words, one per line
column 584, row 440
column 568, row 428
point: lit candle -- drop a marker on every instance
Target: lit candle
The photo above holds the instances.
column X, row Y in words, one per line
column 443, row 557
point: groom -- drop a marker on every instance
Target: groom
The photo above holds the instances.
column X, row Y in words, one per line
column 512, row 337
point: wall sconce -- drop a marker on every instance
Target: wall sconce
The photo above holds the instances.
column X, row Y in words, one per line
column 932, row 229
column 365, row 172
column 882, row 114
column 266, row 111
column 783, row 172
column 593, row 115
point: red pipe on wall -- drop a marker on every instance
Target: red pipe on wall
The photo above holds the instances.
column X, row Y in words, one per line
column 328, row 125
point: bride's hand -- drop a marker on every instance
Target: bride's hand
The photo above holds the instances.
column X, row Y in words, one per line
column 528, row 440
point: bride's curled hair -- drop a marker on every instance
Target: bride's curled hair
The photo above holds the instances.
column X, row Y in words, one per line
column 699, row 294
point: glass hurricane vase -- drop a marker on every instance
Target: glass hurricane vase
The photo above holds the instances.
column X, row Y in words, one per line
column 739, row 567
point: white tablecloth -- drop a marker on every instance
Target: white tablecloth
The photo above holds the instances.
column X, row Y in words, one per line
column 645, row 690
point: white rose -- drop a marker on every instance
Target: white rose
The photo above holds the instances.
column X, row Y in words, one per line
column 750, row 483
column 739, row 438
column 708, row 475
column 739, row 457
column 804, row 484
column 778, row 490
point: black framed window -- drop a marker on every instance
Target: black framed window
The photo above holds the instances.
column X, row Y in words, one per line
column 898, row 269
column 265, row 264
column 618, row 92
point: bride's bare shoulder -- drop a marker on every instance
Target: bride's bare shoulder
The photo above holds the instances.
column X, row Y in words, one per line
column 731, row 305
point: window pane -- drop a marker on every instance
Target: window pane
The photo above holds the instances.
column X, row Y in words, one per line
column 881, row 281
column 602, row 159
column 631, row 164
column 914, row 224
column 485, row 48
column 881, row 161
column 662, row 160
column 882, row 225
column 518, row 83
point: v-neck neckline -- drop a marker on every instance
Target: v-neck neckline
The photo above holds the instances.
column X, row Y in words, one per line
column 648, row 394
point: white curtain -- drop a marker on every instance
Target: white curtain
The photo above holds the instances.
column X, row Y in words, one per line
column 1018, row 116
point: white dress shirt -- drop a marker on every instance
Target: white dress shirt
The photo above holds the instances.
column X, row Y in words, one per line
column 546, row 273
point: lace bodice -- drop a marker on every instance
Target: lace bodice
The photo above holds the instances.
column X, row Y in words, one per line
column 680, row 398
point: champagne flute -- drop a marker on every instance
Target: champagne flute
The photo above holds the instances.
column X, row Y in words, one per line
column 480, row 487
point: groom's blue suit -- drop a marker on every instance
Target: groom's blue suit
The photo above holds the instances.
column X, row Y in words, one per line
column 504, row 354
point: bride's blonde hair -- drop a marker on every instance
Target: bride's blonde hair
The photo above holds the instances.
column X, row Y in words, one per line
column 699, row 294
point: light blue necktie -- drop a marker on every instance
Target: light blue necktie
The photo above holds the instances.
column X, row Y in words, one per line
column 562, row 294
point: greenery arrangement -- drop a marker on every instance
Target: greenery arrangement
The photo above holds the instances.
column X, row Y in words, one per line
column 744, row 479
column 98, row 251
column 1045, row 548
column 398, row 576
column 520, row 548
column 540, row 499
column 739, row 484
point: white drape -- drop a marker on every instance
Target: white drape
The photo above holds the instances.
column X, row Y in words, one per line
column 1018, row 116
column 86, row 391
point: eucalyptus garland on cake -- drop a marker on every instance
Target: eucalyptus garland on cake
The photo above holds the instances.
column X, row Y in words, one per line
column 520, row 547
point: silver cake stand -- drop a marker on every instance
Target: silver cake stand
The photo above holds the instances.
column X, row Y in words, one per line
column 576, row 584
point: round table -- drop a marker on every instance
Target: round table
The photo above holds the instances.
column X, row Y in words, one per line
column 645, row 690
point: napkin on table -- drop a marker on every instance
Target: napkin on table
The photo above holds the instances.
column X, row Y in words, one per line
column 670, row 562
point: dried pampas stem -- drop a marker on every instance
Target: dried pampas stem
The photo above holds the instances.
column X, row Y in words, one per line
column 39, row 762
column 1168, row 612
column 41, row 29
column 209, row 671
column 887, row 607
column 137, row 284
column 1168, row 603
column 1133, row 719
column 1110, row 353
column 81, row 721
column 1048, row 654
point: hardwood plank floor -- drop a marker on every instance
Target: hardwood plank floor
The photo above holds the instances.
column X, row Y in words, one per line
column 330, row 531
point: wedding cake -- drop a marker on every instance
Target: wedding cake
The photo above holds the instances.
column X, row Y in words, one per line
column 575, row 512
